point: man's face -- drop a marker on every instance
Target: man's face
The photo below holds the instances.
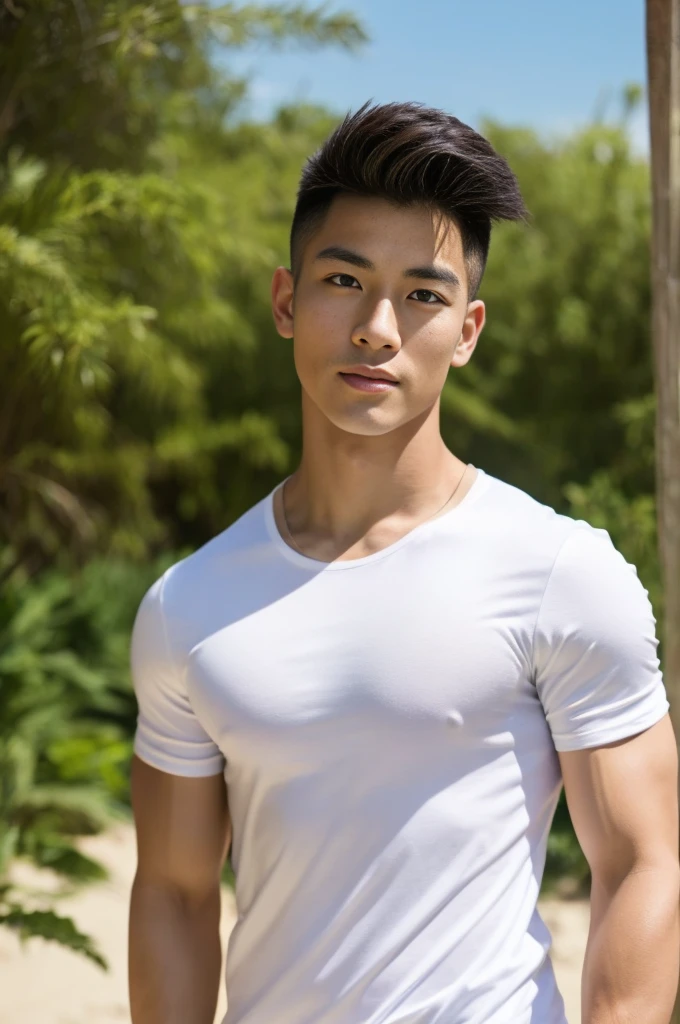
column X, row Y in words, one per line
column 376, row 303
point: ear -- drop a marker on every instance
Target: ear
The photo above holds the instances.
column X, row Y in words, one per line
column 472, row 328
column 282, row 301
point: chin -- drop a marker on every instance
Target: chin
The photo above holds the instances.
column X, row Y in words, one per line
column 364, row 422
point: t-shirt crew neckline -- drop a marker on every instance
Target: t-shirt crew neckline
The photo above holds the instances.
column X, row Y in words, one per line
column 453, row 516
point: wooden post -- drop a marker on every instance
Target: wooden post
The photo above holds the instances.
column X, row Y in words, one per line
column 663, row 70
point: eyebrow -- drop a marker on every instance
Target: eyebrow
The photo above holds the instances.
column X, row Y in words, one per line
column 425, row 273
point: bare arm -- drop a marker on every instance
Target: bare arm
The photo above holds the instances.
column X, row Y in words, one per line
column 623, row 801
column 183, row 832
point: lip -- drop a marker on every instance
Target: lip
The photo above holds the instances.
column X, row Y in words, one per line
column 372, row 372
column 371, row 384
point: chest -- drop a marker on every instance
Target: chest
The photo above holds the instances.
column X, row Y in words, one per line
column 337, row 659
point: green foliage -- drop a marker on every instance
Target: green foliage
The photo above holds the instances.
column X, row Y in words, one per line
column 93, row 85
column 45, row 924
column 565, row 354
column 66, row 721
column 566, row 869
column 52, row 702
column 51, row 698
column 120, row 267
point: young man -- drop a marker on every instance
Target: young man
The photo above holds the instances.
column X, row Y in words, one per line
column 376, row 681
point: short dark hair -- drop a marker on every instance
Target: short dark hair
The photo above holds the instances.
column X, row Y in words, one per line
column 410, row 154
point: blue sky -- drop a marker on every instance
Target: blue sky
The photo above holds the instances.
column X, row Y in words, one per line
column 550, row 64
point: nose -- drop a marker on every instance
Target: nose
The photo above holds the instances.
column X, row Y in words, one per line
column 380, row 329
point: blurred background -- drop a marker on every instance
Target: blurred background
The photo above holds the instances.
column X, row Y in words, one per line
column 149, row 158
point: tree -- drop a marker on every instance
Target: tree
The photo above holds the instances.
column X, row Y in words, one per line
column 115, row 258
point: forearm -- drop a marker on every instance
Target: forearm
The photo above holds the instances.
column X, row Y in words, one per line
column 174, row 956
column 632, row 960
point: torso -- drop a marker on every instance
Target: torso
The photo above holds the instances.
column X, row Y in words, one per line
column 384, row 731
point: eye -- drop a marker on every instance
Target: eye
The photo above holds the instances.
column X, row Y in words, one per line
column 347, row 276
column 425, row 291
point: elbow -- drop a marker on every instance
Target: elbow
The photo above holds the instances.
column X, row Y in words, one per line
column 187, row 896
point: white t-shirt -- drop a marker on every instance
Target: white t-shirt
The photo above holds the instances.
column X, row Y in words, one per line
column 388, row 728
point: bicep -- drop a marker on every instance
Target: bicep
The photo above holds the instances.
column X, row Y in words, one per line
column 183, row 828
column 623, row 801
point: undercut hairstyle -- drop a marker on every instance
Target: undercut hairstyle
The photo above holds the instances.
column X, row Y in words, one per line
column 411, row 155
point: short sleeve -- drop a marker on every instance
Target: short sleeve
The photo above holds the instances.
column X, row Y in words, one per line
column 595, row 647
column 168, row 734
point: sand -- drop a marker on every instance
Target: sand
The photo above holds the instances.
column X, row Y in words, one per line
column 46, row 984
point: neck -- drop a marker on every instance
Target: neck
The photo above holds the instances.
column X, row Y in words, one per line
column 346, row 483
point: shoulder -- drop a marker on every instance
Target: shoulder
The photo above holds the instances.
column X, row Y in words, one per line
column 594, row 590
column 229, row 552
column 183, row 602
column 567, row 568
column 530, row 530
column 594, row 611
